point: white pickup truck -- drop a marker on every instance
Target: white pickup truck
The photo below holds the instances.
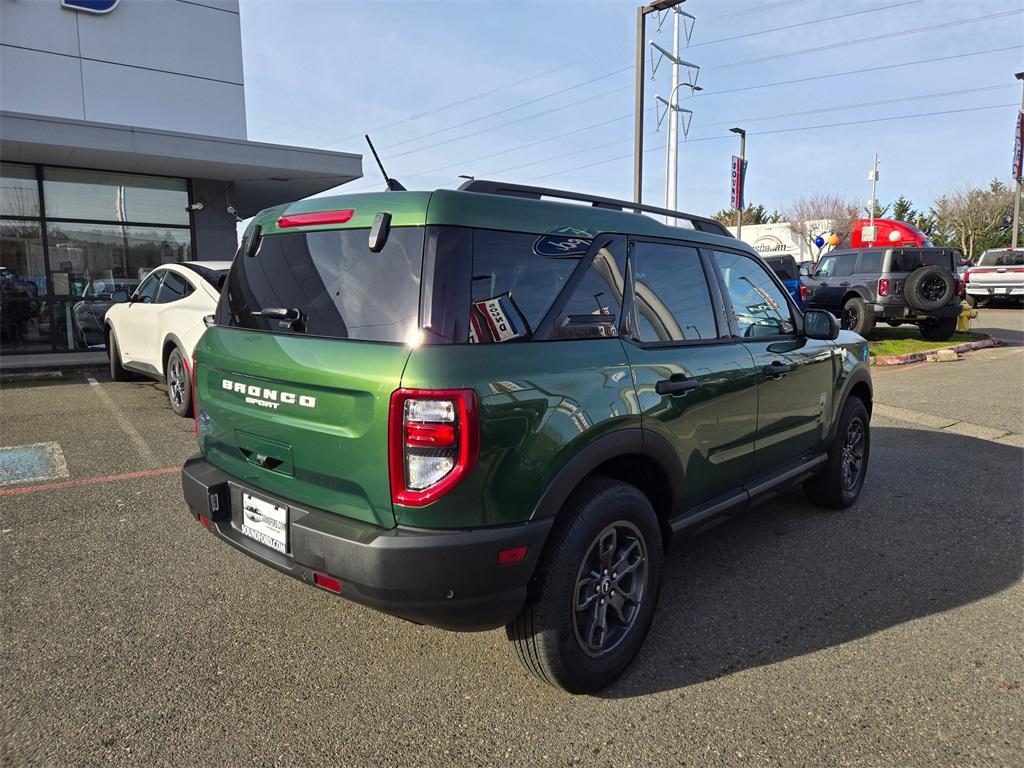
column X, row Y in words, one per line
column 999, row 274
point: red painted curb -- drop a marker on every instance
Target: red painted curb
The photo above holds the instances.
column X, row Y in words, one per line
column 917, row 357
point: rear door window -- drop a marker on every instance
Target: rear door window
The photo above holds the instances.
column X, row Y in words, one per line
column 328, row 283
column 845, row 265
column 671, row 298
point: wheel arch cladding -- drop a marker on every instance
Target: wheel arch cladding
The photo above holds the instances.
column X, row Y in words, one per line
column 858, row 293
column 637, row 457
column 170, row 344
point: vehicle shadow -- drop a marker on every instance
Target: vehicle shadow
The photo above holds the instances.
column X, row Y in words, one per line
column 790, row 578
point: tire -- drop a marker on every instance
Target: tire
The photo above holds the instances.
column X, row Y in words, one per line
column 553, row 639
column 830, row 487
column 117, row 371
column 179, row 384
column 938, row 330
column 928, row 288
column 857, row 316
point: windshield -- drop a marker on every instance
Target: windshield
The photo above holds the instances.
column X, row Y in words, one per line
column 1002, row 259
column 328, row 283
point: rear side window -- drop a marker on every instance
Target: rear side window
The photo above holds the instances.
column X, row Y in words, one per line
column 328, row 283
column 174, row 287
column 516, row 279
column 870, row 261
column 595, row 306
column 671, row 294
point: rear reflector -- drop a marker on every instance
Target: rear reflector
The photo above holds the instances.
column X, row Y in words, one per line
column 512, row 555
column 314, row 219
column 327, row 582
column 205, row 521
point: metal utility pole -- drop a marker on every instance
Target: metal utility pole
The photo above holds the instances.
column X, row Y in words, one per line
column 1018, row 160
column 873, row 202
column 638, row 117
column 743, row 158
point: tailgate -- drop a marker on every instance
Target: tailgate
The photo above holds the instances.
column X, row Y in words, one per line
column 301, row 417
column 996, row 277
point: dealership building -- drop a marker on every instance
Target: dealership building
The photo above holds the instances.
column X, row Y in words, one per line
column 123, row 146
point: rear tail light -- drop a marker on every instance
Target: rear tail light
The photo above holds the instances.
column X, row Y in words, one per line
column 967, row 277
column 432, row 442
column 805, row 292
column 883, row 287
column 960, row 288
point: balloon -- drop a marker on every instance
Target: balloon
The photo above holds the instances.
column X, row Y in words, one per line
column 819, row 241
column 894, row 236
column 833, row 240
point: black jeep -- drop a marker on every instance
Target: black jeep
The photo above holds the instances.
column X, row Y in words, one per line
column 893, row 285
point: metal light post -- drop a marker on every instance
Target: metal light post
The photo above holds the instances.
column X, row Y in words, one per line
column 873, row 202
column 638, row 118
column 1016, row 197
column 743, row 156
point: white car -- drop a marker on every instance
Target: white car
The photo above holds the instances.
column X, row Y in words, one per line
column 155, row 330
column 999, row 274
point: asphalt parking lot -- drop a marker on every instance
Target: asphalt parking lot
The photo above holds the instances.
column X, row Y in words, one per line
column 889, row 634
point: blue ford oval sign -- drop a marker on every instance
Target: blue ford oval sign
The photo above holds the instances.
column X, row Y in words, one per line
column 90, row 6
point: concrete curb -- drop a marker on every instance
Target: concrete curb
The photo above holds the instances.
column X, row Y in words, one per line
column 917, row 357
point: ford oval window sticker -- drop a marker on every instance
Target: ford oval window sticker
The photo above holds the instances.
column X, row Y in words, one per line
column 562, row 242
column 90, row 6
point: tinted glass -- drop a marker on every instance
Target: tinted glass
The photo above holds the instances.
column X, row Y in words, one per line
column 1002, row 259
column 783, row 266
column 759, row 305
column 594, row 309
column 24, row 319
column 671, row 294
column 909, row 260
column 870, row 262
column 76, row 194
column 845, row 265
column 174, row 287
column 214, row 277
column 328, row 283
column 516, row 278
column 147, row 291
column 19, row 192
column 826, row 267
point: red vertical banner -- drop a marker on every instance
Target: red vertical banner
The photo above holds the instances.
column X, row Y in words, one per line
column 1018, row 148
column 739, row 174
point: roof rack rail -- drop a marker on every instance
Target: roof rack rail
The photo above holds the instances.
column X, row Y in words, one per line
column 700, row 223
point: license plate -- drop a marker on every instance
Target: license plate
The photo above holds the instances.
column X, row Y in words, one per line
column 265, row 522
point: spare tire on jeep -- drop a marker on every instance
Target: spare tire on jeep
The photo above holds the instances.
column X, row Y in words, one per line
column 928, row 288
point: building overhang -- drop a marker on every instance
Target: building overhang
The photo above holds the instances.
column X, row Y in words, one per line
column 262, row 174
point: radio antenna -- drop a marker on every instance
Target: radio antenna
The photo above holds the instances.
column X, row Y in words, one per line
column 392, row 184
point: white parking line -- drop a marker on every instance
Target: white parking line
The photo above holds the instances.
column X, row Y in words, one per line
column 145, row 452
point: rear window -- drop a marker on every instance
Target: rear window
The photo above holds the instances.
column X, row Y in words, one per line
column 328, row 283
column 214, row 277
column 908, row 261
column 1002, row 259
column 784, row 267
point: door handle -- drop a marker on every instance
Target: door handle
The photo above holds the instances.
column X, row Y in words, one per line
column 675, row 386
column 823, row 285
column 777, row 368
column 844, row 285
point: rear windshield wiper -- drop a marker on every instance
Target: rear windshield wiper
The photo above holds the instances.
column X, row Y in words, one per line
column 291, row 318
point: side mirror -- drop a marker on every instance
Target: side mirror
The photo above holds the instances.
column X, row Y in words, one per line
column 819, row 324
column 805, row 271
column 120, row 297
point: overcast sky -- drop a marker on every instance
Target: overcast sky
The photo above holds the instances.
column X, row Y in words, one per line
column 427, row 79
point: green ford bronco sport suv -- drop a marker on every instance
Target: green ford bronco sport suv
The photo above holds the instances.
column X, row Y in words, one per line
column 495, row 406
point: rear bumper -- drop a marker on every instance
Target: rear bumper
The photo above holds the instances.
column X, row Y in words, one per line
column 995, row 291
column 448, row 579
column 902, row 311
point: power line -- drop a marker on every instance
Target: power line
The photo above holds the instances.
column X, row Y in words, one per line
column 832, row 46
column 602, row 123
column 785, row 130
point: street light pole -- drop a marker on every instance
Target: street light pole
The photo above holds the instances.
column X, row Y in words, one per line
column 1016, row 197
column 743, row 151
column 638, row 118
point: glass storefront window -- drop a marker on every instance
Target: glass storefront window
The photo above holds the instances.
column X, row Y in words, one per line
column 19, row 191
column 76, row 194
column 24, row 323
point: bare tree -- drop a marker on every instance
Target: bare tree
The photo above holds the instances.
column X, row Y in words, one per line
column 972, row 215
column 824, row 214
